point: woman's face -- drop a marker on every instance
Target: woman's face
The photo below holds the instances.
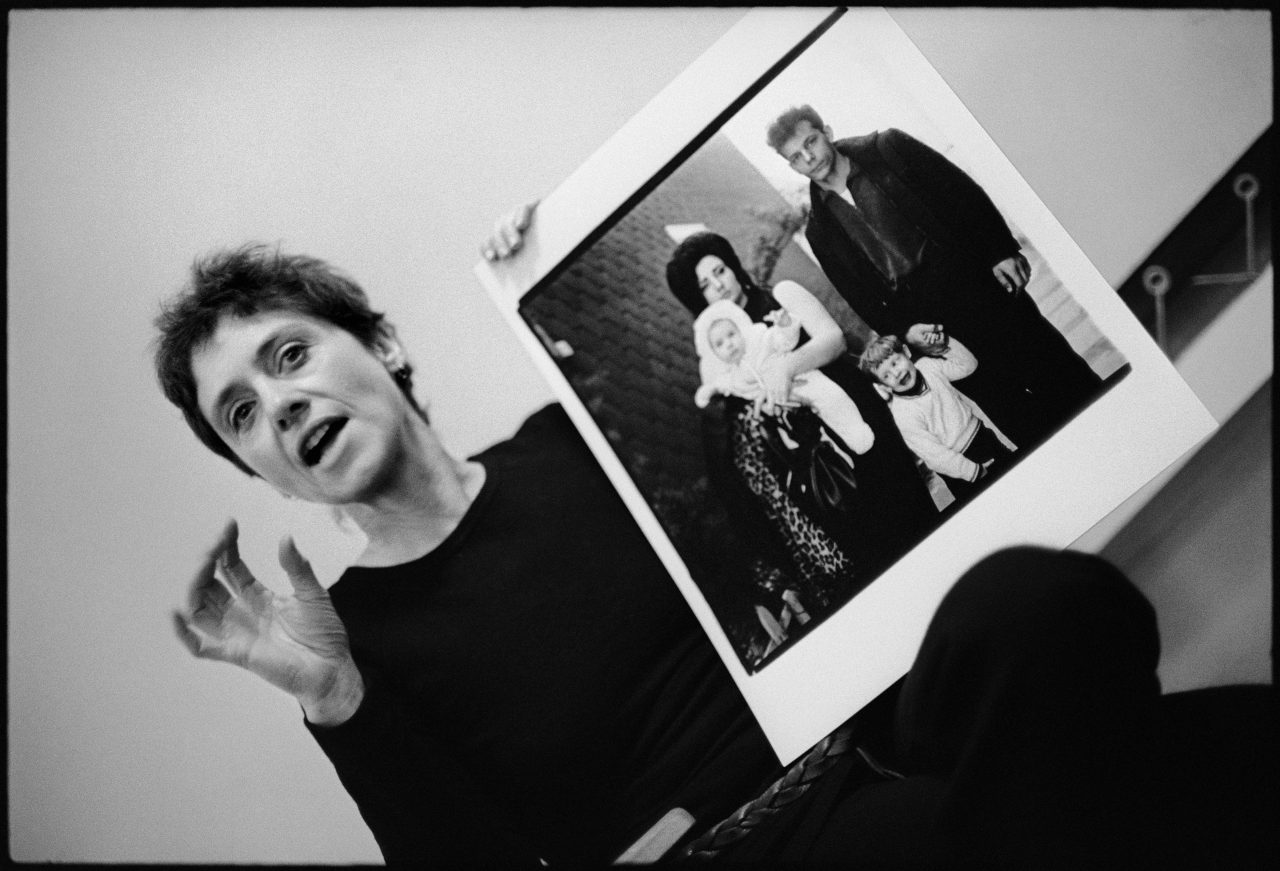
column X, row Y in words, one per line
column 717, row 281
column 304, row 404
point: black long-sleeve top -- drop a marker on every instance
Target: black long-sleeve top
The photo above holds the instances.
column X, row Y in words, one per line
column 537, row 686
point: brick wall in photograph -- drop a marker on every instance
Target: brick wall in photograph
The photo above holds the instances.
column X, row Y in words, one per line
column 634, row 361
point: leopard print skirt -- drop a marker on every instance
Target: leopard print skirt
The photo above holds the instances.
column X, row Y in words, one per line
column 818, row 560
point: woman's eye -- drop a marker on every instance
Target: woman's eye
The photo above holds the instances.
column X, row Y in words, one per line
column 239, row 416
column 292, row 355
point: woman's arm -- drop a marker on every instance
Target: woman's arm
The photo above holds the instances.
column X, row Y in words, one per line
column 418, row 801
column 417, row 797
column 826, row 341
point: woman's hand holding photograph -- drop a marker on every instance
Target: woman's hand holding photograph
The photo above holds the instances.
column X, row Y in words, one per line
column 508, row 233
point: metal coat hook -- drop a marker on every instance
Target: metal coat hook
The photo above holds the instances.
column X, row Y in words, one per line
column 1245, row 187
column 1158, row 281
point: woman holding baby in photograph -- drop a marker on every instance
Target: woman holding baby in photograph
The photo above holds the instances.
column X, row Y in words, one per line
column 789, row 392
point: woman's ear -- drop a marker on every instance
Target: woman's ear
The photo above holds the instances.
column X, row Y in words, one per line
column 387, row 347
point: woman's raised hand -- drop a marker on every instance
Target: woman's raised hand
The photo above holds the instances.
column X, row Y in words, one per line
column 508, row 233
column 296, row 642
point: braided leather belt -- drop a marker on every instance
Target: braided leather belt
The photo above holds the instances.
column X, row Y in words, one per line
column 781, row 793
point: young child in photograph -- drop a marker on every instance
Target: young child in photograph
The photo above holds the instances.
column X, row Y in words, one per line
column 732, row 349
column 945, row 428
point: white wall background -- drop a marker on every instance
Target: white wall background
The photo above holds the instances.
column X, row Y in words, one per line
column 386, row 142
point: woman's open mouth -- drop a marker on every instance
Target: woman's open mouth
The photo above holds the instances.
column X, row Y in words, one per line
column 319, row 439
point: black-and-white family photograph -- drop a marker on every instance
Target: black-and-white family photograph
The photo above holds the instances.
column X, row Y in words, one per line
column 808, row 365
column 827, row 344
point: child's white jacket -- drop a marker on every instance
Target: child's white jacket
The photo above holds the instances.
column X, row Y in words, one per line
column 940, row 424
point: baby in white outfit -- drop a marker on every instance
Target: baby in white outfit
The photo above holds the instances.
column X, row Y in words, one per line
column 732, row 349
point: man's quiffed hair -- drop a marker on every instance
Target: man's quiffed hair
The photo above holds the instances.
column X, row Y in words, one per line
column 784, row 126
column 877, row 351
column 682, row 276
column 242, row 282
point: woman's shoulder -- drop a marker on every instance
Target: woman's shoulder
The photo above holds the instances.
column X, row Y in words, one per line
column 547, row 428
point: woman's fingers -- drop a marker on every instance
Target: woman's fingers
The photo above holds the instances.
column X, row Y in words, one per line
column 210, row 598
column 502, row 241
column 191, row 639
column 524, row 214
column 202, row 634
column 508, row 233
column 205, row 590
column 513, row 225
column 186, row 634
column 295, row 565
column 233, row 567
column 208, row 607
column 506, row 238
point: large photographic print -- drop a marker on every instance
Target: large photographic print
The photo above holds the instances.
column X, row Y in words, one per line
column 783, row 518
column 831, row 349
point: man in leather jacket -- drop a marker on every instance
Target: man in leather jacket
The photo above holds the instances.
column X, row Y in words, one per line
column 907, row 237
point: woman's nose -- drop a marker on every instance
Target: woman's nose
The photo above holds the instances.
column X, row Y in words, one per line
column 287, row 411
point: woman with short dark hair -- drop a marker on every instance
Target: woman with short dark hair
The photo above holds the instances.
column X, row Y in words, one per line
column 506, row 673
